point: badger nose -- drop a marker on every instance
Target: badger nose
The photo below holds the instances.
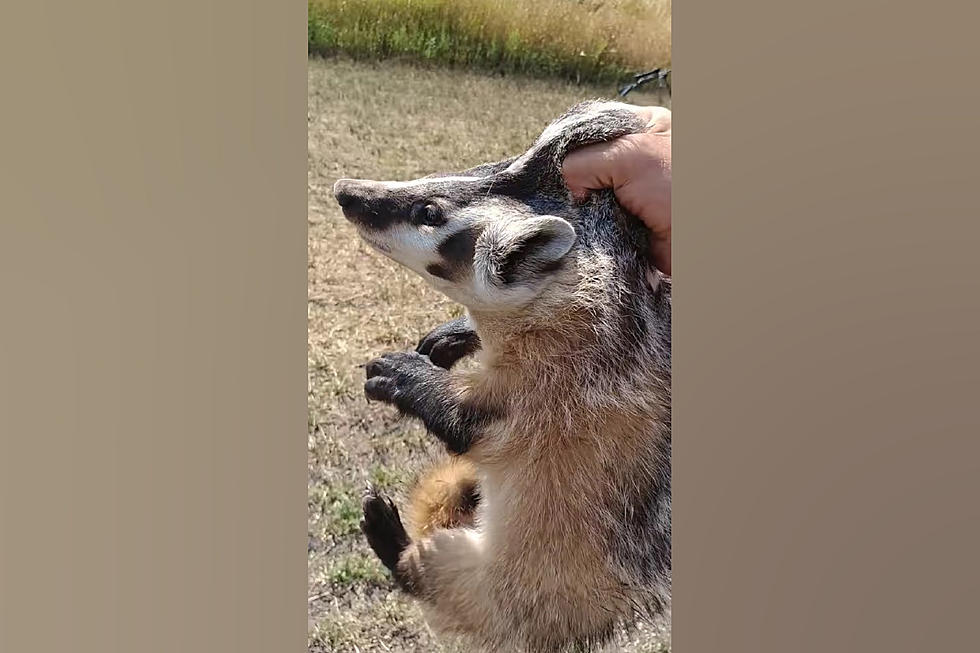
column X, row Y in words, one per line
column 365, row 203
column 346, row 193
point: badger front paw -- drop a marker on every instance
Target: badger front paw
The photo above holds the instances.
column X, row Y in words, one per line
column 410, row 382
column 402, row 378
column 449, row 342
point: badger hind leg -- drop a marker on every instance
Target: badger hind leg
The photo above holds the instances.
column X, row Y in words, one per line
column 382, row 526
column 445, row 496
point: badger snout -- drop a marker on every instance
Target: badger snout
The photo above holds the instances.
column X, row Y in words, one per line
column 363, row 202
column 350, row 195
column 345, row 192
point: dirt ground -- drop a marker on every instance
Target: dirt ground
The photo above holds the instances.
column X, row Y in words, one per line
column 389, row 121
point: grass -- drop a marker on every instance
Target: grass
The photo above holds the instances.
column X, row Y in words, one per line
column 388, row 120
column 584, row 40
column 388, row 479
column 339, row 506
column 355, row 568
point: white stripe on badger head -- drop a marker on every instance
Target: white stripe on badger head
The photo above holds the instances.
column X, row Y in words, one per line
column 555, row 129
column 396, row 185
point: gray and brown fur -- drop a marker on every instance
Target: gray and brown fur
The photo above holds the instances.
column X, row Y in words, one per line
column 565, row 423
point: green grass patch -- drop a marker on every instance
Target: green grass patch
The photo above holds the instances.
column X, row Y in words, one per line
column 584, row 40
column 339, row 508
column 355, row 569
column 388, row 478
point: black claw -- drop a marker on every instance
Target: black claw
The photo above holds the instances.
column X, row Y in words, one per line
column 418, row 388
column 447, row 351
column 448, row 343
column 395, row 374
column 383, row 528
column 376, row 367
column 380, row 388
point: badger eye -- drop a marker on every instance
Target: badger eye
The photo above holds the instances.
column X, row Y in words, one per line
column 428, row 214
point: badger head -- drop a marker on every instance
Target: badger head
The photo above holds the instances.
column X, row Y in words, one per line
column 502, row 236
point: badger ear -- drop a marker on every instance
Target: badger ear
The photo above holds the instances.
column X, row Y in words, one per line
column 585, row 123
column 526, row 249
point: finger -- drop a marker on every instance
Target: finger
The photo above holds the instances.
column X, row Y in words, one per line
column 589, row 168
column 658, row 119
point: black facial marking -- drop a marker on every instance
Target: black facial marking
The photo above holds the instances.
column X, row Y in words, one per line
column 370, row 205
column 458, row 249
column 457, row 255
column 437, row 270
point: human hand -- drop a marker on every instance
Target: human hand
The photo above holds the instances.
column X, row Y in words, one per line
column 637, row 168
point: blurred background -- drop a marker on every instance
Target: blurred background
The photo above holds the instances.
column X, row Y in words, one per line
column 398, row 89
column 584, row 40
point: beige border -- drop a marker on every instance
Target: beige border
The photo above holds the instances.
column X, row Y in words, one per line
column 826, row 318
column 152, row 274
column 151, row 270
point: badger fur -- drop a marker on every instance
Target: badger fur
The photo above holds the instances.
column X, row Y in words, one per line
column 550, row 527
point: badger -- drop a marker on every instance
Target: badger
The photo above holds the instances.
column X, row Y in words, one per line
column 548, row 526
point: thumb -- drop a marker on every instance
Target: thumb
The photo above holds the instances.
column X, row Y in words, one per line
column 588, row 168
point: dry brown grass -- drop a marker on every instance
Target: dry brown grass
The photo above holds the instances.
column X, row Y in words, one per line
column 387, row 121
